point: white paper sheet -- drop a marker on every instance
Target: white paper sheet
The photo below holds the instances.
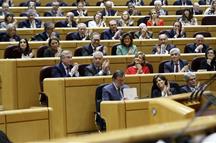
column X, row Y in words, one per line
column 130, row 93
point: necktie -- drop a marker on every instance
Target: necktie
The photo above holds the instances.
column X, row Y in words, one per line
column 67, row 70
column 176, row 68
column 119, row 92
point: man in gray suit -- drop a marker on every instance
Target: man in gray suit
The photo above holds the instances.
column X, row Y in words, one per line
column 114, row 91
column 190, row 79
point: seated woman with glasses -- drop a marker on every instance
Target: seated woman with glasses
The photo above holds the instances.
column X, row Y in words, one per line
column 162, row 87
column 126, row 47
column 154, row 19
column 209, row 63
column 139, row 65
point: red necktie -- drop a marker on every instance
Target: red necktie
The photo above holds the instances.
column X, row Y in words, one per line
column 176, row 68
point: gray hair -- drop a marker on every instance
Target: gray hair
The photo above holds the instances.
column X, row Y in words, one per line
column 187, row 75
column 64, row 53
column 81, row 25
column 157, row 2
column 97, row 53
column 175, row 51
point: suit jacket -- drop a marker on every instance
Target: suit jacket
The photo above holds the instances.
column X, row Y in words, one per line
column 169, row 66
column 6, row 38
column 59, row 71
column 60, row 4
column 141, row 3
column 179, row 2
column 205, row 65
column 42, row 36
column 110, row 13
column 51, row 13
column 185, row 89
column 110, row 93
column 27, row 24
column 76, row 13
column 190, row 48
column 107, row 35
column 162, row 1
column 64, row 23
column 172, row 33
column 26, row 4
column 168, row 48
column 88, row 50
column 91, row 70
column 203, row 2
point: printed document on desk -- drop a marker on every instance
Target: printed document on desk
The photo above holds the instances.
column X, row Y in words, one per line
column 130, row 93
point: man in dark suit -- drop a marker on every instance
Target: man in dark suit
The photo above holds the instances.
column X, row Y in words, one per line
column 81, row 34
column 65, row 68
column 99, row 66
column 31, row 22
column 196, row 9
column 5, row 9
column 27, row 3
column 112, row 33
column 182, row 2
column 163, row 47
column 108, row 10
column 114, row 91
column 10, row 34
column 68, row 22
column 55, row 11
column 61, row 3
column 48, row 32
column 80, row 11
column 95, row 45
column 190, row 79
column 205, row 2
column 176, row 64
column 198, row 46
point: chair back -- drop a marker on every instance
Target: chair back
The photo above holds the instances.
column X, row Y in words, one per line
column 204, row 33
column 78, row 51
column 12, row 52
column 81, row 69
column 150, row 67
column 68, row 36
column 161, row 66
column 143, row 20
column 209, row 20
column 40, row 51
column 195, row 64
column 114, row 48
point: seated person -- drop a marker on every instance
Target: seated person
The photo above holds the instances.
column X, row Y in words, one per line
column 5, row 9
column 112, row 33
column 163, row 47
column 9, row 2
column 81, row 34
column 31, row 8
column 8, row 19
column 177, row 31
column 54, row 49
column 162, row 88
column 85, row 3
column 176, row 64
column 99, row 66
column 114, row 91
column 65, row 68
column 48, row 32
column 136, row 2
column 108, row 10
column 163, row 2
column 27, row 3
column 68, row 22
column 95, row 45
column 198, row 46
column 126, row 47
column 190, row 79
column 30, row 22
column 160, row 11
column 211, row 10
column 55, row 11
column 210, row 62
column 10, row 35
column 187, row 18
column 205, row 2
column 143, row 32
column 61, row 3
column 182, row 2
column 132, row 10
column 125, row 20
column 139, row 65
column 101, row 3
column 80, row 11
column 196, row 9
column 154, row 19
column 98, row 21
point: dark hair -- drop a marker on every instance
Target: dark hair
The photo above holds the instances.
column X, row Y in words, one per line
column 48, row 25
column 124, row 36
column 180, row 26
column 8, row 15
column 97, row 13
column 53, row 38
column 27, row 50
column 118, row 73
column 206, row 53
column 155, row 80
column 184, row 17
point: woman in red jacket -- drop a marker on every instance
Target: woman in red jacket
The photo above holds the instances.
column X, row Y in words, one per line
column 154, row 19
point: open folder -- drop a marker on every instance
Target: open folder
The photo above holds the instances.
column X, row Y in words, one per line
column 130, row 93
